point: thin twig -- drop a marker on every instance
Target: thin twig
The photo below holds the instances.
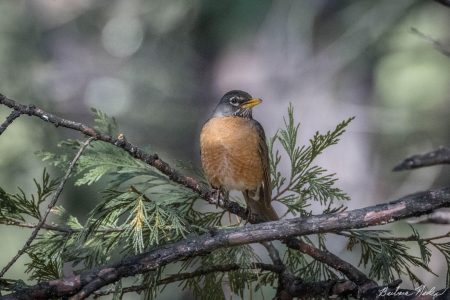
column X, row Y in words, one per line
column 49, row 208
column 439, row 156
column 437, row 217
column 58, row 228
column 411, row 238
column 44, row 226
column 12, row 116
column 443, row 2
column 436, row 44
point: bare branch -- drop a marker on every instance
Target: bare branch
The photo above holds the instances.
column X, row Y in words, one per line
column 85, row 284
column 437, row 157
column 444, row 2
column 411, row 238
column 49, row 208
column 438, row 217
column 436, row 44
column 12, row 116
column 57, row 228
column 31, row 226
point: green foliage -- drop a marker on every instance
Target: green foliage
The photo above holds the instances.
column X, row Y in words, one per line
column 444, row 248
column 102, row 159
column 147, row 221
column 210, row 286
column 206, row 287
column 388, row 258
column 46, row 257
column 16, row 207
column 306, row 181
column 104, row 124
column 307, row 268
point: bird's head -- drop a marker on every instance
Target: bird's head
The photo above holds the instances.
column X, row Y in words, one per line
column 236, row 103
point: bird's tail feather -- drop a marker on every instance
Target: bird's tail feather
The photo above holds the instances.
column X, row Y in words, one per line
column 259, row 207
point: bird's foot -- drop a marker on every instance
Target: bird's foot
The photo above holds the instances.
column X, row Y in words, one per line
column 215, row 195
column 250, row 217
column 225, row 198
column 220, row 197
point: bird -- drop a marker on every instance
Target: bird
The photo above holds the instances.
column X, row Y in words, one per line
column 235, row 156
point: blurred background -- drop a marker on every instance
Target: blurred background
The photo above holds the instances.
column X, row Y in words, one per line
column 160, row 67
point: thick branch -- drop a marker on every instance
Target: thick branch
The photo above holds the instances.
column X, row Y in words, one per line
column 437, row 157
column 90, row 281
column 49, row 208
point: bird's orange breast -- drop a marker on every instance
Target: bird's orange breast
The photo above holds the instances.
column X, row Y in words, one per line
column 230, row 153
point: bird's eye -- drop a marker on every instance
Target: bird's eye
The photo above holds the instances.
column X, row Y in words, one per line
column 234, row 101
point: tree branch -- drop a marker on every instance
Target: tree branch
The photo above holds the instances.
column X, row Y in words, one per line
column 57, row 228
column 85, row 284
column 12, row 116
column 285, row 277
column 436, row 44
column 437, row 217
column 437, row 157
column 411, row 238
column 49, row 208
column 444, row 2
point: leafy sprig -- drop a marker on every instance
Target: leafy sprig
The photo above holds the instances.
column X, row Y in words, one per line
column 306, row 182
column 388, row 258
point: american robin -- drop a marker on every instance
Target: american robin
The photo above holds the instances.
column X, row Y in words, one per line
column 234, row 153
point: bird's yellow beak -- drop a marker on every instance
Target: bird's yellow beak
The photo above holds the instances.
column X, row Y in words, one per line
column 251, row 102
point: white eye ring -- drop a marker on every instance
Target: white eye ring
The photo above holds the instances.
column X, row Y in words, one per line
column 234, row 101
